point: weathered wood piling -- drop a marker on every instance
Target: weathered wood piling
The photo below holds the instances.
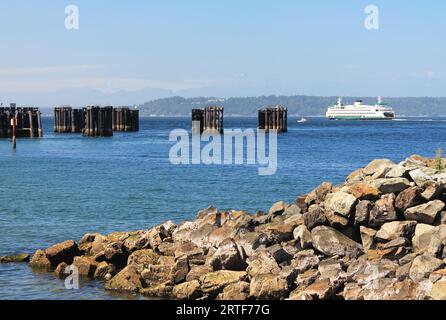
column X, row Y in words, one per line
column 98, row 121
column 125, row 119
column 95, row 121
column 207, row 119
column 77, row 121
column 62, row 119
column 68, row 120
column 274, row 118
column 24, row 122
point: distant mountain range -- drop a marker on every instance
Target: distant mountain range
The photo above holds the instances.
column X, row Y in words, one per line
column 297, row 105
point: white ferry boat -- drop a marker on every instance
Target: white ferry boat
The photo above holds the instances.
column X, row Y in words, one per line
column 360, row 111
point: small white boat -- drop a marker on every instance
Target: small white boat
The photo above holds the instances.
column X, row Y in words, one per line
column 303, row 120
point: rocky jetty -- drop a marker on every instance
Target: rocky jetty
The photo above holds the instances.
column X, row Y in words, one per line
column 381, row 235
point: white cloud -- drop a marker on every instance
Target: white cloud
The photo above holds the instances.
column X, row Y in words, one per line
column 49, row 79
column 44, row 71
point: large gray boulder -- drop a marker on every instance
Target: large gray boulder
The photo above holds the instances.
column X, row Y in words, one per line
column 396, row 229
column 268, row 287
column 62, row 252
column 302, row 237
column 423, row 266
column 425, row 213
column 128, row 280
column 262, row 262
column 392, row 185
column 228, row 257
column 438, row 291
column 331, row 243
column 213, row 283
column 409, row 198
column 187, row 291
column 378, row 165
column 315, row 217
column 397, row 171
column 367, row 237
column 429, row 239
column 341, row 203
column 383, row 211
column 318, row 195
column 422, row 175
column 235, row 291
column 362, row 212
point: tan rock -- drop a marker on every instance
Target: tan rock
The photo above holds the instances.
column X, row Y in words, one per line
column 238, row 291
column 127, row 280
column 315, row 217
column 377, row 165
column 356, row 176
column 228, row 257
column 409, row 198
column 433, row 191
column 86, row 266
column 180, row 270
column 219, row 235
column 318, row 195
column 362, row 212
column 362, row 191
column 62, row 252
column 303, row 237
column 40, row 261
column 262, row 262
column 331, row 242
column 196, row 272
column 208, row 211
column 60, row 270
column 341, row 203
column 157, row 274
column 268, row 287
column 142, row 259
column 304, row 260
column 103, row 269
column 367, row 237
column 422, row 176
column 319, row 290
column 439, row 290
column 383, row 211
column 187, row 291
column 395, row 229
column 425, row 213
column 213, row 283
column 163, row 290
column 24, row 257
column 278, row 208
column 393, row 185
column 423, row 266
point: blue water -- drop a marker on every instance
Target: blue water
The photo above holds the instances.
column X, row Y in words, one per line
column 63, row 186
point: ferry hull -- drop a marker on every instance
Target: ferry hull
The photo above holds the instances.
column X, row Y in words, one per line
column 359, row 118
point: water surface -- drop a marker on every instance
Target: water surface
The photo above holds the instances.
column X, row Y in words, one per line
column 63, row 186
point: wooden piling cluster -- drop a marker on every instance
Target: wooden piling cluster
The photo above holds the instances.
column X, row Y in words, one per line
column 94, row 121
column 207, row 119
column 98, row 121
column 274, row 118
column 28, row 122
column 68, row 120
column 125, row 119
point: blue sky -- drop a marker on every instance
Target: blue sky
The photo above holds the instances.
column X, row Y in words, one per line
column 222, row 48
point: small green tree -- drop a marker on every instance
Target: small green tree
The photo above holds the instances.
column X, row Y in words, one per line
column 438, row 162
